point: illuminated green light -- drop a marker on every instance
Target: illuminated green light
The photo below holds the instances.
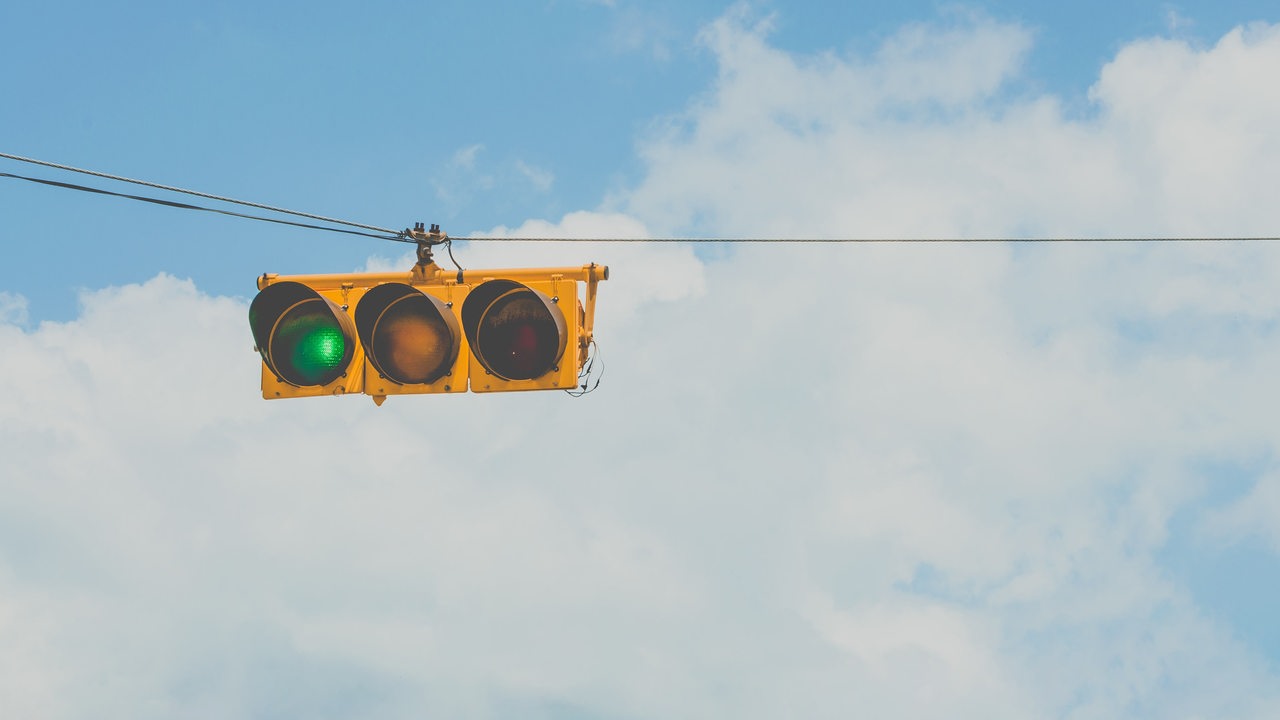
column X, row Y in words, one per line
column 314, row 346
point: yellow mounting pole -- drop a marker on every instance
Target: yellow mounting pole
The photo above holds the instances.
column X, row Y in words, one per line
column 595, row 273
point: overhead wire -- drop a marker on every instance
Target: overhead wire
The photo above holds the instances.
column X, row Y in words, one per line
column 404, row 235
column 189, row 206
column 818, row 240
column 196, row 193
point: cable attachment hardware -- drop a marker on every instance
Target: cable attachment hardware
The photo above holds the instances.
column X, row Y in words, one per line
column 426, row 239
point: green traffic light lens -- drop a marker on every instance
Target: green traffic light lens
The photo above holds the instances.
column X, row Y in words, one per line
column 309, row 346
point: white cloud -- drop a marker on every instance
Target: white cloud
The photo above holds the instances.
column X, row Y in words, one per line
column 466, row 177
column 920, row 141
column 540, row 179
column 461, row 178
column 1256, row 515
column 902, row 481
column 639, row 29
column 1175, row 22
column 639, row 273
column 13, row 308
column 465, row 157
column 948, row 66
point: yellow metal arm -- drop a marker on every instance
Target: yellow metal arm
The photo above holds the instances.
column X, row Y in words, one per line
column 435, row 275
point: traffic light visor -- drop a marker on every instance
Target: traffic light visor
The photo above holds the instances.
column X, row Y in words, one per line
column 409, row 336
column 304, row 338
column 516, row 332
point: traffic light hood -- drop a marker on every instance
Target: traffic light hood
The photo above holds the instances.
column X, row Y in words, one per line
column 515, row 332
column 304, row 338
column 410, row 337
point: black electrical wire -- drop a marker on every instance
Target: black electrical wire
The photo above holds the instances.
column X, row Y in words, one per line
column 197, row 193
column 584, row 376
column 404, row 236
column 448, row 245
column 817, row 240
column 188, row 206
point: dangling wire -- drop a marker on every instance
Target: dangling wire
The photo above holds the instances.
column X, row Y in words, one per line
column 585, row 386
column 448, row 245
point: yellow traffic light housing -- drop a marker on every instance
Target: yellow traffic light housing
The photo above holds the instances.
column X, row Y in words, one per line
column 425, row 331
column 518, row 335
column 307, row 342
column 412, row 339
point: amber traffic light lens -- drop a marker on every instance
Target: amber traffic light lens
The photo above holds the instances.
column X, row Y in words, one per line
column 412, row 342
column 410, row 337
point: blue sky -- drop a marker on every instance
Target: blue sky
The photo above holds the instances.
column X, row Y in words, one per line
column 979, row 481
column 365, row 115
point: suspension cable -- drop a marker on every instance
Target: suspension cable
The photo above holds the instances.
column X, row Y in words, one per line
column 405, row 236
column 817, row 240
column 197, row 193
column 188, row 206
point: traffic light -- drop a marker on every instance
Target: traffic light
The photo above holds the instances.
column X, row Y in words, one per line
column 307, row 342
column 425, row 331
column 518, row 335
column 411, row 338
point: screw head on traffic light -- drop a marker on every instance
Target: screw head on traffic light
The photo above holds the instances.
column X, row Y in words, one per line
column 306, row 340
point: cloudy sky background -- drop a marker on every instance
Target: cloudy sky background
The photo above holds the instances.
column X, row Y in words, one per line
column 986, row 481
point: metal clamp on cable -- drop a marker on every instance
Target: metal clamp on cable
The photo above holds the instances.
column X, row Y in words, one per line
column 429, row 239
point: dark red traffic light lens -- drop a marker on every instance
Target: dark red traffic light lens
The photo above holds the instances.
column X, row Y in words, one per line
column 518, row 338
